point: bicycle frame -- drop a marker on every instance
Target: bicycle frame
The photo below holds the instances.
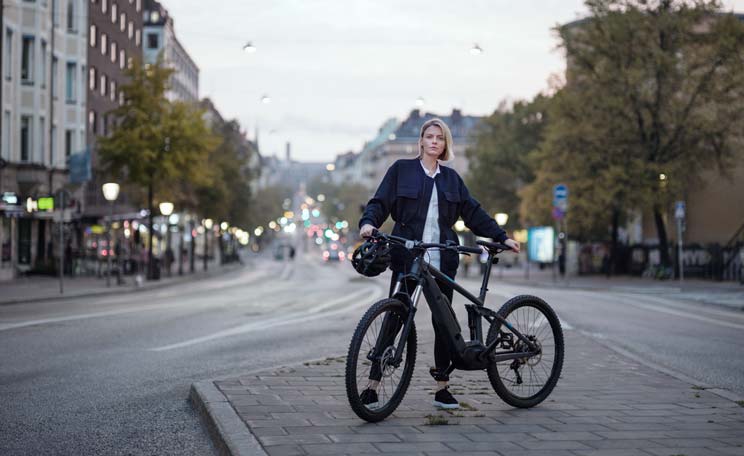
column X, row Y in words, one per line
column 470, row 355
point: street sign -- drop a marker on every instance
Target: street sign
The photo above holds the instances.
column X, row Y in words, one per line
column 679, row 210
column 558, row 213
column 560, row 197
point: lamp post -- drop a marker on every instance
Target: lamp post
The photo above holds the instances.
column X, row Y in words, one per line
column 501, row 218
column 208, row 223
column 166, row 209
column 110, row 192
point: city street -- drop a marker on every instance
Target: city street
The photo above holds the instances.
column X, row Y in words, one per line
column 111, row 375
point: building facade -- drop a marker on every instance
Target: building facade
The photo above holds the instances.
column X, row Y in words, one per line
column 43, row 105
column 114, row 41
column 159, row 37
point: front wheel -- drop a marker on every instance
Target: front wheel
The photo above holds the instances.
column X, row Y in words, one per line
column 526, row 382
column 375, row 383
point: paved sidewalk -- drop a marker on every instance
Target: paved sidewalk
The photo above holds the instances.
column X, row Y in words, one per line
column 42, row 288
column 604, row 404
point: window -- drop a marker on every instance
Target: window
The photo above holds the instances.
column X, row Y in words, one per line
column 53, row 78
column 112, row 90
column 138, row 5
column 92, row 78
column 104, row 125
column 26, row 136
column 55, row 11
column 6, row 135
column 130, row 29
column 122, row 21
column 93, row 35
column 130, row 62
column 121, row 97
column 113, row 13
column 113, row 53
column 8, row 54
column 122, row 59
column 70, row 82
column 152, row 41
column 103, row 85
column 138, row 37
column 92, row 121
column 42, row 137
column 104, row 6
column 68, row 142
column 27, row 60
column 43, row 72
column 71, row 16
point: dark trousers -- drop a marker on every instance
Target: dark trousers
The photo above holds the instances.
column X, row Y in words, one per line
column 391, row 326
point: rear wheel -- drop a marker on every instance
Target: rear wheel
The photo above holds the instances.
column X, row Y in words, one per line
column 527, row 381
column 370, row 360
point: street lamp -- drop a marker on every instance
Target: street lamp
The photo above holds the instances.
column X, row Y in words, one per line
column 166, row 209
column 208, row 223
column 502, row 218
column 476, row 50
column 110, row 192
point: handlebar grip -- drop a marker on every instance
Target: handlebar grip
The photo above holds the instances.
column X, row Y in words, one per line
column 475, row 250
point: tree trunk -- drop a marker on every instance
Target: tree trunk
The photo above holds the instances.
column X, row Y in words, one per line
column 666, row 260
column 150, row 269
column 613, row 246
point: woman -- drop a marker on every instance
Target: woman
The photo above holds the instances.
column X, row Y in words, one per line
column 425, row 200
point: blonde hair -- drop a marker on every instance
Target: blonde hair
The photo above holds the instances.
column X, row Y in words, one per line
column 449, row 145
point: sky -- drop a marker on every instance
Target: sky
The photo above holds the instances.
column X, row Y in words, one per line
column 336, row 70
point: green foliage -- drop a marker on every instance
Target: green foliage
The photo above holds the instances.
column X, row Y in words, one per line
column 652, row 88
column 156, row 143
column 498, row 160
column 227, row 196
column 266, row 205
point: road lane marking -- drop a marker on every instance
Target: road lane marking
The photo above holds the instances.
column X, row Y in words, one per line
column 108, row 313
column 624, row 299
column 371, row 294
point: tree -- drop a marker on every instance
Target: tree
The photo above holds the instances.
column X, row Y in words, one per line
column 498, row 160
column 228, row 194
column 654, row 90
column 155, row 144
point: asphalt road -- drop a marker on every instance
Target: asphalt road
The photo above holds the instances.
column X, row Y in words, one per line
column 111, row 375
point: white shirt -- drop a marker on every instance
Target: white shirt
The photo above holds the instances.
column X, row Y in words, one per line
column 431, row 227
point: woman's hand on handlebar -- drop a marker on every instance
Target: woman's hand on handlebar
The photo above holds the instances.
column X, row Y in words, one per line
column 513, row 244
column 367, row 230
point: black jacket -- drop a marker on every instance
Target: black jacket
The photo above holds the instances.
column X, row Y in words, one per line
column 404, row 193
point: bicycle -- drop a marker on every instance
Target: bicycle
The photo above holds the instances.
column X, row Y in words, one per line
column 525, row 331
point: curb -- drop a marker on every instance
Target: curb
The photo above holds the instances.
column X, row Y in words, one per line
column 229, row 433
column 116, row 291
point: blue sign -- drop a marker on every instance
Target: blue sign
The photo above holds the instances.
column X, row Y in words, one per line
column 560, row 197
column 679, row 210
column 79, row 165
column 540, row 244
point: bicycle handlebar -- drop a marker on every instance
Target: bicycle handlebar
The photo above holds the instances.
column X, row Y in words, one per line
column 450, row 245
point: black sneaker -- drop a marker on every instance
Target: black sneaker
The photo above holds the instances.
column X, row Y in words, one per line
column 444, row 399
column 369, row 398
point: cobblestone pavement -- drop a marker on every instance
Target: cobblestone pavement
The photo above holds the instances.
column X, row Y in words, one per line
column 604, row 404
